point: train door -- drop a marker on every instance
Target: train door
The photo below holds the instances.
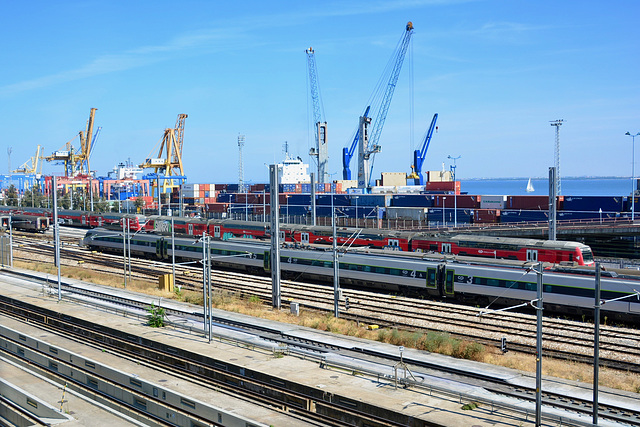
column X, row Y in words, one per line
column 446, row 248
column 532, row 255
column 100, row 221
column 304, row 238
column 432, row 278
column 448, row 281
column 83, row 219
column 162, row 247
column 282, row 235
column 394, row 243
column 216, row 231
column 190, row 229
column 267, row 261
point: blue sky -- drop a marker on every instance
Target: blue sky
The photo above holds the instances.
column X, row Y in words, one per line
column 496, row 71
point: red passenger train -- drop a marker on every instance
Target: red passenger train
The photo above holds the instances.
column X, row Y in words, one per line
column 555, row 252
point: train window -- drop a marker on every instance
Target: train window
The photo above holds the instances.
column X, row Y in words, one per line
column 446, row 248
column 188, row 403
column 140, row 404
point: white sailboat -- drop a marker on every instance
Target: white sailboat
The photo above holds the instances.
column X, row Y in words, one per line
column 530, row 188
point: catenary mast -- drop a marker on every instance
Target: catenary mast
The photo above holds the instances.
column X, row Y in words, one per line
column 557, row 124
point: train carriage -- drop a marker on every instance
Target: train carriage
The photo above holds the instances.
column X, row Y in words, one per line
column 181, row 225
column 229, row 229
column 38, row 224
column 521, row 249
column 367, row 237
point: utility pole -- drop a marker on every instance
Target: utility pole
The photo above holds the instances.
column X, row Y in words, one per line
column 557, row 124
column 553, row 225
column 275, row 237
column 9, row 150
column 240, row 167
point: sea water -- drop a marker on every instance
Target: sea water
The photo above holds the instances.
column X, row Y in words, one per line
column 568, row 186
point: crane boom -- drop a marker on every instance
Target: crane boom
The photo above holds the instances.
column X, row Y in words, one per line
column 169, row 159
column 371, row 146
column 378, row 124
column 321, row 150
column 419, row 155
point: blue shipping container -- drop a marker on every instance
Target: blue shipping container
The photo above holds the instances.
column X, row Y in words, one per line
column 593, row 203
column 507, row 216
column 412, row 200
column 338, row 200
column 370, row 200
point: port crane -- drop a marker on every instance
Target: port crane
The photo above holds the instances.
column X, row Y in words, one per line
column 33, row 165
column 347, row 152
column 321, row 151
column 168, row 162
column 420, row 155
column 77, row 162
column 368, row 140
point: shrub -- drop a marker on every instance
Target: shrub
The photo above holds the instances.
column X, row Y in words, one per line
column 155, row 319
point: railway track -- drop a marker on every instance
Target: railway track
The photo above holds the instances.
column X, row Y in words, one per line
column 550, row 398
column 562, row 339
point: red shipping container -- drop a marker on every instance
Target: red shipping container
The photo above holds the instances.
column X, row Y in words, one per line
column 444, row 186
column 257, row 210
column 217, row 207
column 537, row 203
column 462, row 201
column 486, row 216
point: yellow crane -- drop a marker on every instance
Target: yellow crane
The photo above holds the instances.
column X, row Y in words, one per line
column 31, row 165
column 168, row 162
column 77, row 162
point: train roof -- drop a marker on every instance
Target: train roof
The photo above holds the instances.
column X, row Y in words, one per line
column 543, row 244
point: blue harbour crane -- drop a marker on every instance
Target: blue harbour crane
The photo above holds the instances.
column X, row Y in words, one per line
column 347, row 152
column 320, row 152
column 420, row 155
column 368, row 140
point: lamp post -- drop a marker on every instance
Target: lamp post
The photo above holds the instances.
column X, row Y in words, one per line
column 356, row 197
column 633, row 173
column 444, row 199
column 455, row 194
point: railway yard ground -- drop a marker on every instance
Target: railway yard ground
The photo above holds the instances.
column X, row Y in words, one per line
column 338, row 380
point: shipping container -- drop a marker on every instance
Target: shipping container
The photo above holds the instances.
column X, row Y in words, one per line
column 216, row 207
column 370, row 200
column 461, row 216
column 226, row 198
column 299, row 199
column 460, row 201
column 338, row 200
column 417, row 214
column 412, row 200
column 523, row 215
column 493, row 202
column 453, row 186
column 593, row 203
column 486, row 216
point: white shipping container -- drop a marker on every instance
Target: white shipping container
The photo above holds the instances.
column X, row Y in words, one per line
column 410, row 189
column 384, row 189
column 417, row 214
column 493, row 202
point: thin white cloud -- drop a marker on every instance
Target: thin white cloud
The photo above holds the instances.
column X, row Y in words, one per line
column 130, row 59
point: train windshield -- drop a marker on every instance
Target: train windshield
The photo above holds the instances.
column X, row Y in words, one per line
column 587, row 256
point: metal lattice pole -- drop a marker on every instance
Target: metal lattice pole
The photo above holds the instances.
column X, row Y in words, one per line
column 240, row 167
column 557, row 124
